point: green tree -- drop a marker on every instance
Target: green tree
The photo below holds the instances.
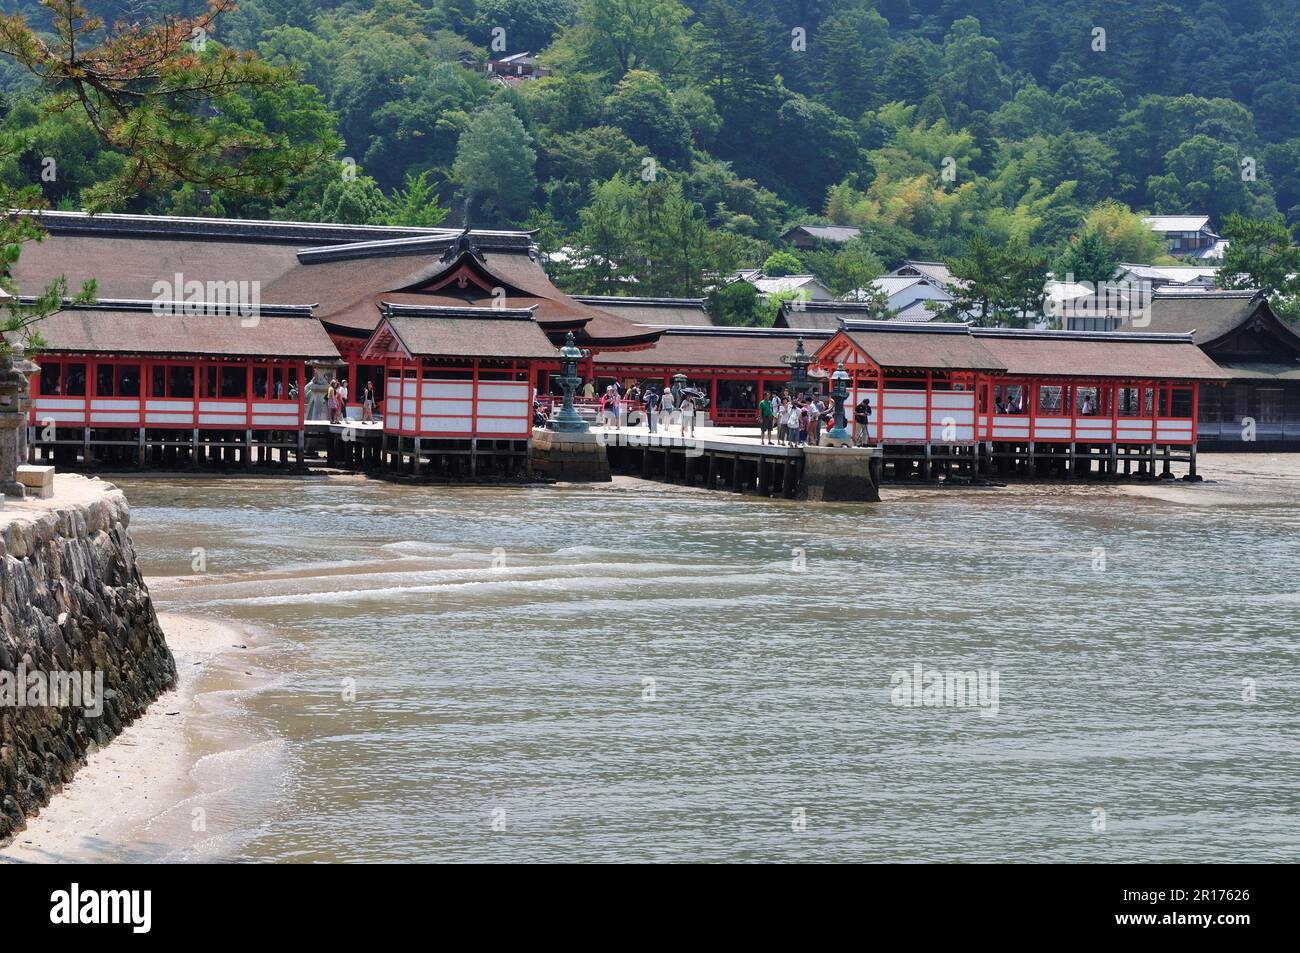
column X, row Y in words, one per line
column 494, row 163
column 614, row 36
column 416, row 205
column 782, row 263
column 1088, row 257
column 1262, row 255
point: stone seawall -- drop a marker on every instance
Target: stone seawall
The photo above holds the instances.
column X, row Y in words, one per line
column 71, row 600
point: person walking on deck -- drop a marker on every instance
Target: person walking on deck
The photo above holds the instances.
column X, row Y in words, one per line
column 688, row 416
column 765, row 419
column 668, row 406
column 368, row 403
column 651, row 400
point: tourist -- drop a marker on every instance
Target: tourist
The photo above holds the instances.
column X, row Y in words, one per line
column 589, row 390
column 332, row 400
column 651, row 400
column 368, row 403
column 815, row 410
column 609, row 407
column 667, row 406
column 688, row 415
column 343, row 400
column 765, row 419
column 861, row 418
column 792, row 424
column 1087, row 409
column 805, row 422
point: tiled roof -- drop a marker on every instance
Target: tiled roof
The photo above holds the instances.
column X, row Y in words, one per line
column 670, row 312
column 133, row 327
column 467, row 332
column 758, row 348
column 1098, row 354
column 938, row 346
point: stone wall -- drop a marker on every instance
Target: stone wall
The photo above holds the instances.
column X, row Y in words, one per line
column 71, row 599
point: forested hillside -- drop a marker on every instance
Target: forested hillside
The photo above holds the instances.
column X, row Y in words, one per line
column 673, row 140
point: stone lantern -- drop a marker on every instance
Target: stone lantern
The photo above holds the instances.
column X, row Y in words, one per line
column 798, row 361
column 15, row 404
column 840, row 394
column 568, row 420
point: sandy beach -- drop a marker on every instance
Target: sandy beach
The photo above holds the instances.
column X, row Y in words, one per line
column 135, row 799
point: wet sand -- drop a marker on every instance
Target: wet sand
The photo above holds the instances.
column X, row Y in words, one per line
column 133, row 799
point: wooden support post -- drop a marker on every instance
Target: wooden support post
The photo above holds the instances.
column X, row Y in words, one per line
column 713, row 470
column 139, row 449
column 928, row 466
column 1191, row 463
column 473, row 456
column 688, row 469
column 415, row 457
column 1166, row 473
column 736, row 485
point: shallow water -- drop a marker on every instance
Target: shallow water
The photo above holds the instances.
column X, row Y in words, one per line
column 502, row 641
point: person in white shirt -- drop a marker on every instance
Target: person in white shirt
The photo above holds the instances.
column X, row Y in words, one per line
column 688, row 416
column 667, row 414
column 792, row 423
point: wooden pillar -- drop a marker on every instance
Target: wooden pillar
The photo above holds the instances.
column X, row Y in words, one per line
column 713, row 470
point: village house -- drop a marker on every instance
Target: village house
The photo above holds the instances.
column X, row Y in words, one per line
column 809, row 237
column 516, row 68
column 1188, row 236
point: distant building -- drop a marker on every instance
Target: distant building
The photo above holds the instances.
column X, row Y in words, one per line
column 807, row 286
column 516, row 68
column 936, row 271
column 653, row 312
column 823, row 315
column 905, row 294
column 810, row 236
column 1260, row 406
column 1187, row 277
column 1188, row 236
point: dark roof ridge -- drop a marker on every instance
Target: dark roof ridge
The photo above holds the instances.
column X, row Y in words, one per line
column 405, row 310
column 913, row 327
column 247, row 229
column 186, row 307
column 1136, row 337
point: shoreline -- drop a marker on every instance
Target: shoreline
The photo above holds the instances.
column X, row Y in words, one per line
column 133, row 799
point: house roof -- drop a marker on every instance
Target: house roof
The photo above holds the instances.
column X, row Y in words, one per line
column 670, row 312
column 1174, row 274
column 346, row 270
column 827, row 233
column 735, row 348
column 434, row 331
column 1098, row 354
column 767, row 285
column 937, row 346
column 167, row 328
column 1206, row 315
column 822, row 315
column 1177, row 223
column 893, row 284
column 936, row 271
